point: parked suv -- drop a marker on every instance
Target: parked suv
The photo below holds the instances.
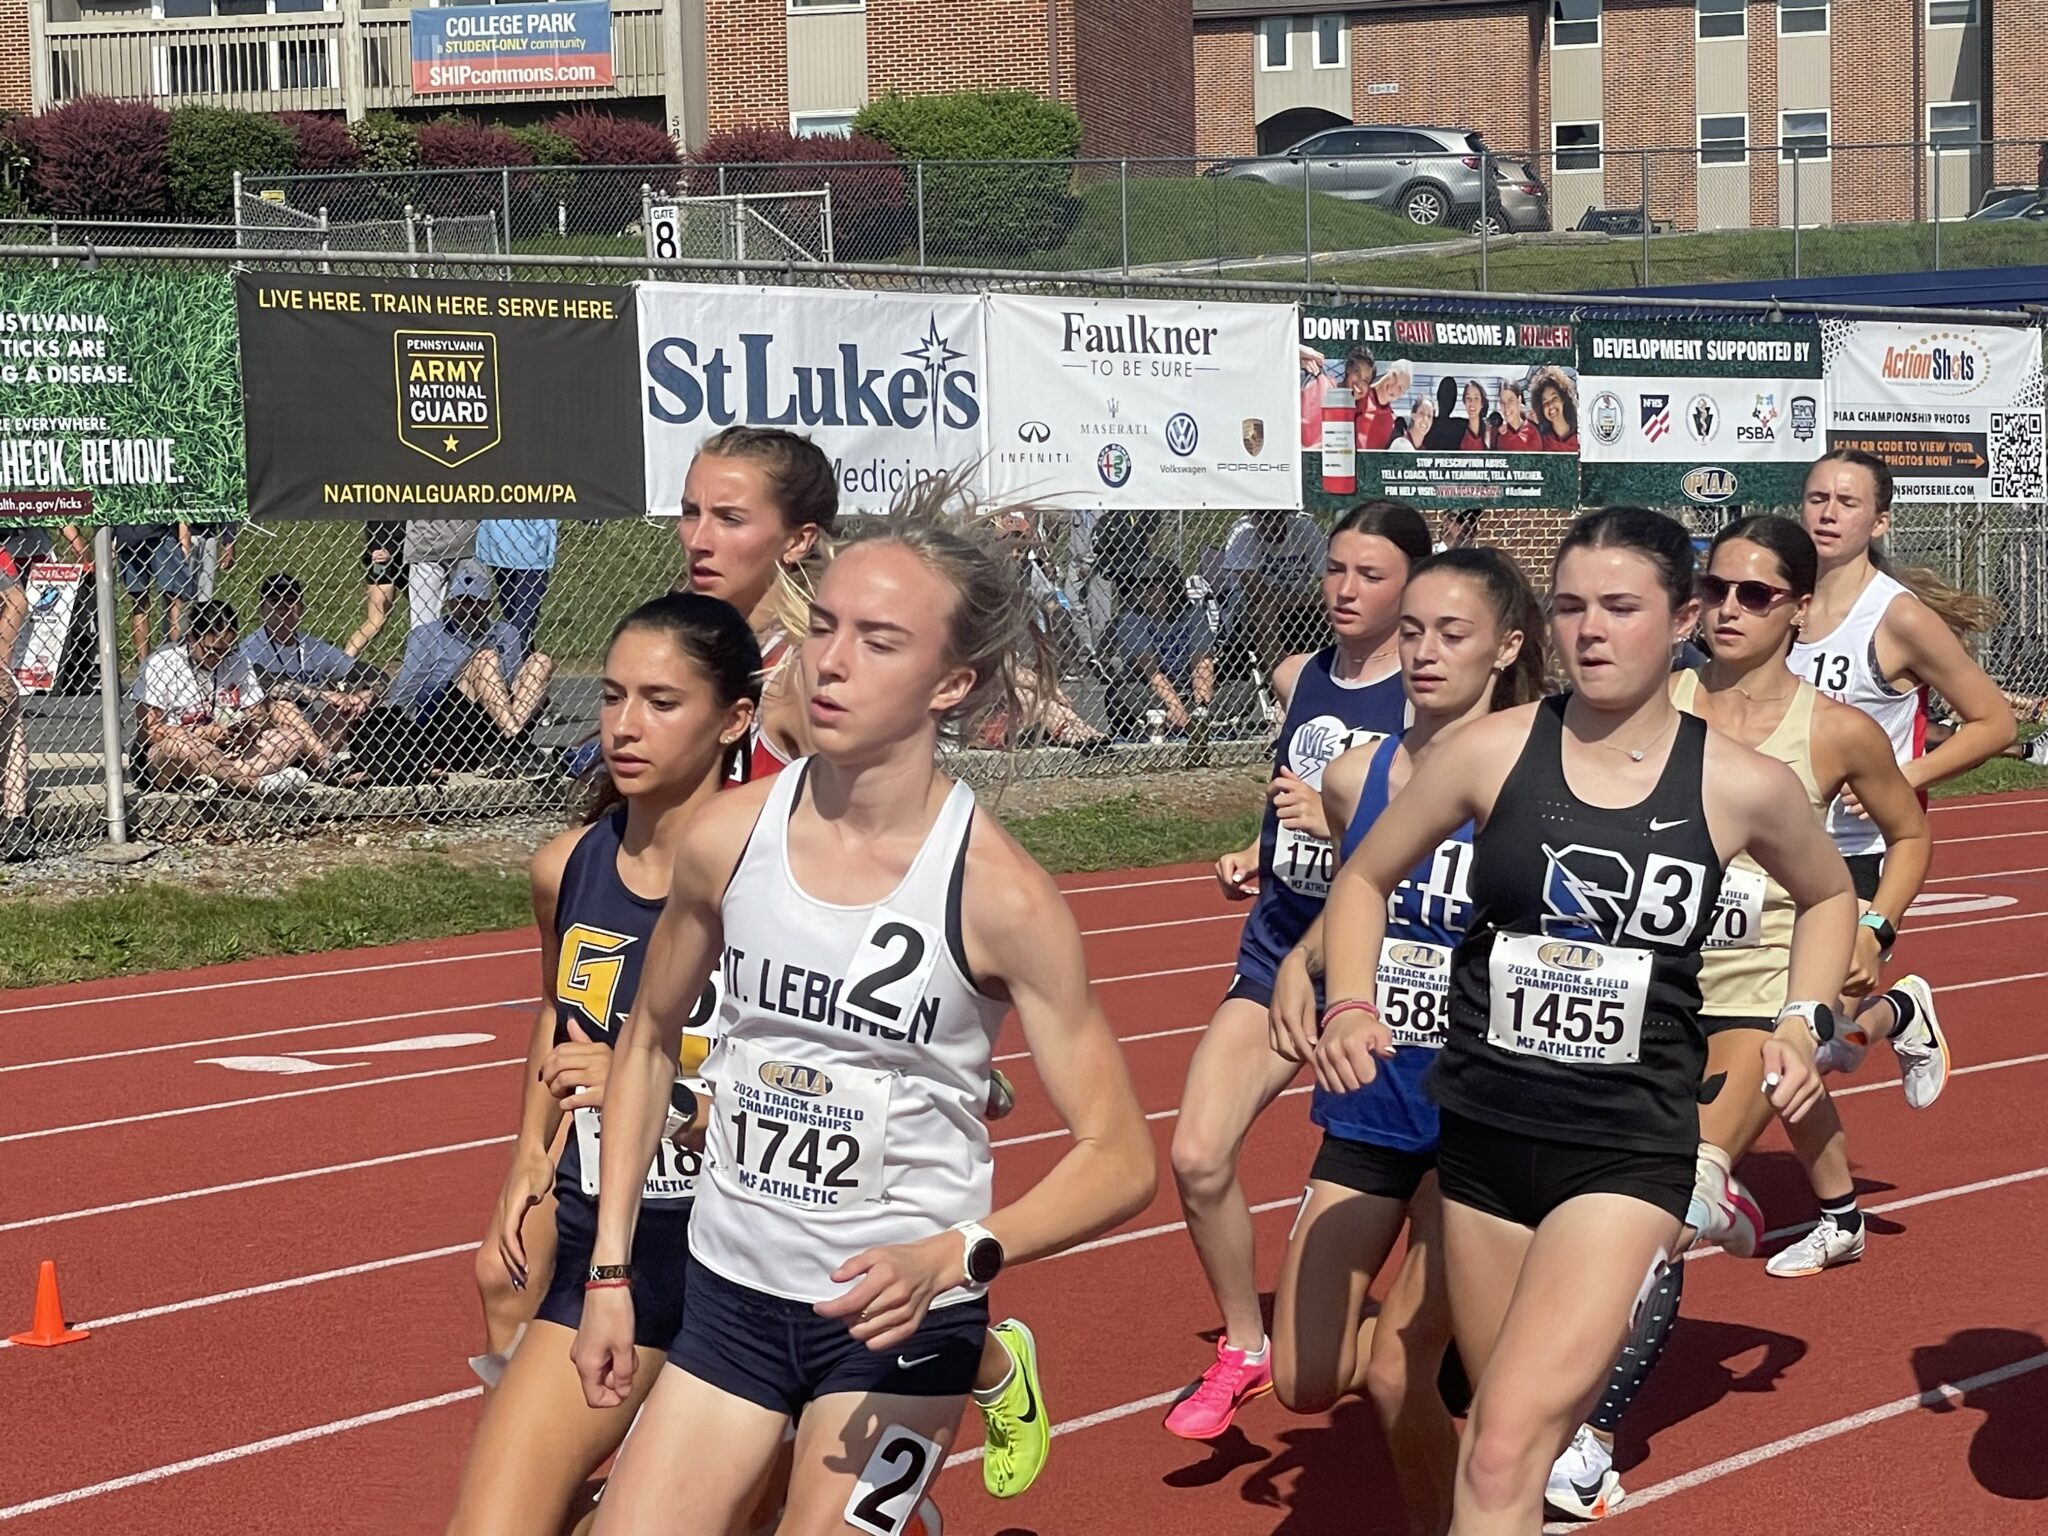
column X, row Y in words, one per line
column 1428, row 175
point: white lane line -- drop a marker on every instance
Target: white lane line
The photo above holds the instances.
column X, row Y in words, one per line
column 1993, row 837
column 1990, row 874
column 1944, row 1396
column 267, row 1034
column 1154, row 1034
column 1996, row 803
column 266, row 981
column 260, row 1098
column 1136, row 885
column 1178, row 922
column 1086, row 1421
column 238, row 1453
column 268, row 1288
column 175, row 1196
column 1979, row 922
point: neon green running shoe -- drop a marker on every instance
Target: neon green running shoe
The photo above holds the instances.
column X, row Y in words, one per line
column 1019, row 1433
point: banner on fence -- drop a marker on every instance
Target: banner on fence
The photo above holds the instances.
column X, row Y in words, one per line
column 1699, row 413
column 1142, row 404
column 1476, row 410
column 118, row 396
column 511, row 47
column 1956, row 410
column 890, row 386
column 395, row 398
column 53, row 593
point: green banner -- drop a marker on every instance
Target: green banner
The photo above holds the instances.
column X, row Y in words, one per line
column 1700, row 413
column 119, row 397
column 1447, row 411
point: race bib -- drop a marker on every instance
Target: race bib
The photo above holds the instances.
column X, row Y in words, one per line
column 1739, row 915
column 889, row 972
column 1568, row 1000
column 1414, row 987
column 1304, row 864
column 802, row 1134
column 672, row 1176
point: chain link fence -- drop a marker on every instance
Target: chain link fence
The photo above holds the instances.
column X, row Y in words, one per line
column 433, row 669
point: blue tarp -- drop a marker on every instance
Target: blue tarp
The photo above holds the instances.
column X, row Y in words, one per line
column 1980, row 288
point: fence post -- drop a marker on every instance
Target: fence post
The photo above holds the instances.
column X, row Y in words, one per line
column 828, row 222
column 647, row 226
column 1937, row 211
column 429, row 222
column 354, row 98
column 1123, row 201
column 326, row 245
column 920, row 215
column 721, row 181
column 1308, row 223
column 1646, row 216
column 39, row 84
column 110, row 683
column 1796, row 179
column 1485, row 214
column 238, row 204
column 412, row 240
column 505, row 200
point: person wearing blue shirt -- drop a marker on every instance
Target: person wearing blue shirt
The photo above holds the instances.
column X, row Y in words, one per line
column 1165, row 643
column 331, row 688
column 519, row 552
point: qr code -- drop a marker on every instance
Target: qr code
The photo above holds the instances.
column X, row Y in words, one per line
column 2016, row 461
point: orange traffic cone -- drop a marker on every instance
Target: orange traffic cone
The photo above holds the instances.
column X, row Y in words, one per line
column 48, row 1327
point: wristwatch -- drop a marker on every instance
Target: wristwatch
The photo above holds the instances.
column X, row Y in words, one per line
column 984, row 1253
column 1820, row 1018
column 683, row 1109
column 1880, row 925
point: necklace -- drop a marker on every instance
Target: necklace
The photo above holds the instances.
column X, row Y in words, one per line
column 1379, row 655
column 1637, row 754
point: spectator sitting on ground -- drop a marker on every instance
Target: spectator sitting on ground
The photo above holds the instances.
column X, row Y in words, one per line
column 206, row 721
column 467, row 683
column 331, row 688
column 1272, row 560
column 1164, row 641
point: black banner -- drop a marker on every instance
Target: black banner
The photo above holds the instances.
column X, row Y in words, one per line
column 388, row 398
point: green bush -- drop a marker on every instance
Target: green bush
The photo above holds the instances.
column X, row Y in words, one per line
column 388, row 143
column 210, row 144
column 985, row 212
column 15, row 164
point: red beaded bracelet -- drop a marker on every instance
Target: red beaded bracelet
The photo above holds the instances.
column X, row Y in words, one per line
column 605, row 1285
column 1350, row 1004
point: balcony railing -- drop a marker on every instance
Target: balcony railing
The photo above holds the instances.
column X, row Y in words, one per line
column 300, row 62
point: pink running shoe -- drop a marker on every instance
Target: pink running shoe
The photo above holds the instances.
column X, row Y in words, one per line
column 1207, row 1408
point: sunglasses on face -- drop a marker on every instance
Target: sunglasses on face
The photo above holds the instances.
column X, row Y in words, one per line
column 1753, row 596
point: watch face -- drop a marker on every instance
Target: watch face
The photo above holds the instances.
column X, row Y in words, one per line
column 985, row 1260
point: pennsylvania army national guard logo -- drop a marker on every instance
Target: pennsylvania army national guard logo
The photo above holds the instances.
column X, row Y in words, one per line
column 448, row 393
column 1254, row 435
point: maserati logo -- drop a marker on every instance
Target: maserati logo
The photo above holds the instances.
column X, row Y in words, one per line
column 1115, row 406
column 1254, row 435
column 1033, row 432
column 1182, row 435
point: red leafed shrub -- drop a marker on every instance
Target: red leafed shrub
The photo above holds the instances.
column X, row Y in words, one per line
column 451, row 143
column 602, row 139
column 96, row 158
column 871, row 215
column 323, row 141
column 607, row 201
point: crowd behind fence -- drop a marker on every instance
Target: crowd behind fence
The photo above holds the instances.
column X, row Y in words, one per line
column 349, row 631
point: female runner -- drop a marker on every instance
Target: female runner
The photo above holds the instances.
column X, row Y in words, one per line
column 1569, row 1079
column 1471, row 643
column 1879, row 639
column 681, row 676
column 1761, row 573
column 873, row 931
column 1335, row 698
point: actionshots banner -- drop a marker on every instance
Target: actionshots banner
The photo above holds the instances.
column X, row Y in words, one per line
column 890, row 386
column 1480, row 410
column 395, row 398
column 511, row 47
column 1142, row 404
column 1699, row 413
column 1955, row 410
column 119, row 401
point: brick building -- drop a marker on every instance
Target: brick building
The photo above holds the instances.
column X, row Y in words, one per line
column 1775, row 107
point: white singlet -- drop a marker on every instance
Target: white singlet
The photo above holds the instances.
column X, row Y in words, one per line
column 849, row 1088
column 1843, row 665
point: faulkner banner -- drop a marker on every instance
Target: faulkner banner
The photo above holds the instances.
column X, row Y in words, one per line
column 1955, row 409
column 1478, row 410
column 890, row 386
column 1142, row 404
column 511, row 47
column 1699, row 413
column 395, row 398
column 118, row 396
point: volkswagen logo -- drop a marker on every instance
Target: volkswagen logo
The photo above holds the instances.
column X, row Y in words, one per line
column 1182, row 434
column 1034, row 432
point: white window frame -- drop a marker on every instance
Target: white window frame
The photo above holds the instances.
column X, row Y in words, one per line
column 1827, row 17
column 1262, row 33
column 1722, row 146
column 823, row 7
column 1975, row 17
column 1976, row 125
column 1315, row 39
column 1741, row 14
column 1598, row 149
column 1827, row 150
column 1598, row 24
column 802, row 124
column 156, row 11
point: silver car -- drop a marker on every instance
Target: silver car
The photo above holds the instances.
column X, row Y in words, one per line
column 1428, row 175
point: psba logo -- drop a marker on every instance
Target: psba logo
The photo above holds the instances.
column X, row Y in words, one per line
column 1182, row 434
column 1762, row 426
column 794, row 1077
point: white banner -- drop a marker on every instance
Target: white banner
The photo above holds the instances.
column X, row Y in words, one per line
column 1649, row 420
column 1954, row 409
column 891, row 387
column 53, row 593
column 1143, row 404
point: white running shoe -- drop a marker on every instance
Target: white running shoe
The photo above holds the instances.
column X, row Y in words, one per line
column 1723, row 1210
column 1923, row 1049
column 1845, row 1052
column 1823, row 1248
column 286, row 781
column 2037, row 751
column 1583, row 1482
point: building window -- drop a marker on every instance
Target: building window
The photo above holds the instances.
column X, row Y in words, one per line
column 1276, row 42
column 1724, row 140
column 1576, row 146
column 1802, row 136
column 827, row 5
column 1952, row 13
column 1952, row 122
column 1575, row 23
column 1723, row 18
column 1330, row 47
column 1802, row 16
column 823, row 125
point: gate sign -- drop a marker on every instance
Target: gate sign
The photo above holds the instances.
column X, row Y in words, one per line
column 511, row 47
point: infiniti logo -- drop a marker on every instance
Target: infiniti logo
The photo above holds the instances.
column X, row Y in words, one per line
column 1033, row 432
column 1182, row 434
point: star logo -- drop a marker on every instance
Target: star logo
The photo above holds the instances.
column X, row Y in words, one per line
column 935, row 356
column 451, row 442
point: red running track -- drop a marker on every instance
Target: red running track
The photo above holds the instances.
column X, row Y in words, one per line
column 276, row 1264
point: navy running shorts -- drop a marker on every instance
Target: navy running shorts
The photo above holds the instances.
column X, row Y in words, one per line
column 661, row 1252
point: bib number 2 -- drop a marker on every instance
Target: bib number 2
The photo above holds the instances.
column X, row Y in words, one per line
column 891, row 970
column 893, row 1482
